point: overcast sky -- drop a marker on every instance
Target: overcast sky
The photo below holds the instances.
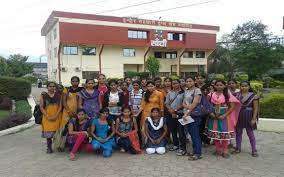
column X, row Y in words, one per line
column 21, row 20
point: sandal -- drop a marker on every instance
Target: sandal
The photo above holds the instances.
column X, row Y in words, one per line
column 190, row 154
column 226, row 155
column 194, row 157
column 254, row 154
column 72, row 156
column 216, row 153
column 180, row 152
column 236, row 151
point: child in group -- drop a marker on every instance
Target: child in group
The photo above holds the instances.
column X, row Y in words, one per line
column 155, row 130
column 102, row 131
column 77, row 136
column 247, row 117
column 126, row 130
column 221, row 124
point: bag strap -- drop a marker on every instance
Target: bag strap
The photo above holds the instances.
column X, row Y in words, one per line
column 171, row 101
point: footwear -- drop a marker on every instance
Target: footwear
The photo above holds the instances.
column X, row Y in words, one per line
column 49, row 151
column 226, row 155
column 173, row 148
column 190, row 154
column 254, row 154
column 72, row 156
column 194, row 157
column 236, row 151
column 180, row 152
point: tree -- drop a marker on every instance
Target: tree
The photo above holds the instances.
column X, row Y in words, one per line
column 153, row 66
column 254, row 50
column 18, row 66
column 3, row 67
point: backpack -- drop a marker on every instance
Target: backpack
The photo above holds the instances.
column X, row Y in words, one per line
column 37, row 114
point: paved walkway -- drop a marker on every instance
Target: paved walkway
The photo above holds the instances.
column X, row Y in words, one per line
column 23, row 155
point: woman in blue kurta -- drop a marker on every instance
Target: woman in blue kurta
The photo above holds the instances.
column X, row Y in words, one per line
column 102, row 131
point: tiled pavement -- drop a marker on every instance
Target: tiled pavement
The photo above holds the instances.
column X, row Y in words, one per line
column 23, row 155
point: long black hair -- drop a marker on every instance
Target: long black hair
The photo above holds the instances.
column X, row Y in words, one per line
column 225, row 91
column 148, row 93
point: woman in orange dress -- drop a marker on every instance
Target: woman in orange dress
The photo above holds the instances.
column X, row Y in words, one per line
column 70, row 101
column 152, row 99
column 50, row 106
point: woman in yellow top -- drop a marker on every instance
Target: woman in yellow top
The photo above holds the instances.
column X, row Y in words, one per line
column 152, row 99
column 50, row 106
column 70, row 101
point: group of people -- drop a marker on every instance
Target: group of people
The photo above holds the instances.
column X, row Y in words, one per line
column 132, row 115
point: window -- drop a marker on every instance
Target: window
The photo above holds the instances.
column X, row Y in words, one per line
column 54, row 33
column 55, row 52
column 158, row 55
column 171, row 55
column 175, row 36
column 129, row 52
column 199, row 54
column 89, row 51
column 137, row 34
column 70, row 50
column 90, row 74
column 188, row 54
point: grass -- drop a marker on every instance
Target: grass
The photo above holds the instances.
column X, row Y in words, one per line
column 23, row 107
column 4, row 114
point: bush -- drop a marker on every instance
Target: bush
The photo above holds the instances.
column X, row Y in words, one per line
column 15, row 88
column 214, row 76
column 257, row 87
column 6, row 103
column 23, row 107
column 277, row 84
column 267, row 81
column 272, row 106
column 12, row 121
column 31, row 79
column 174, row 77
column 242, row 77
column 131, row 74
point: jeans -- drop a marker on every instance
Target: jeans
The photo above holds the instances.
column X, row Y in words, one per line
column 193, row 130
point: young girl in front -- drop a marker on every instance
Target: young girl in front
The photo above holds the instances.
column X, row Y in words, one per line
column 247, row 117
column 221, row 124
column 77, row 137
column 126, row 130
column 155, row 130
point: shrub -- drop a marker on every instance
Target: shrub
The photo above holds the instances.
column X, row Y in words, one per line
column 6, row 103
column 257, row 87
column 277, row 84
column 242, row 77
column 13, row 120
column 174, row 77
column 31, row 79
column 272, row 106
column 214, row 76
column 23, row 107
column 15, row 88
column 267, row 81
column 131, row 74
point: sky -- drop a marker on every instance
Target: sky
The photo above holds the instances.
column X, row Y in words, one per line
column 22, row 20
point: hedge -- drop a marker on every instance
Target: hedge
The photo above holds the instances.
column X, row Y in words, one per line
column 23, row 107
column 14, row 88
column 271, row 106
column 6, row 103
column 31, row 79
column 257, row 87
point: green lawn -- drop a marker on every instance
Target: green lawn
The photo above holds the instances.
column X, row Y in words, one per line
column 4, row 114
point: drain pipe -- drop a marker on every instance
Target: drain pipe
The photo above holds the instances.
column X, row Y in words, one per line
column 59, row 64
column 178, row 66
column 147, row 51
column 100, row 58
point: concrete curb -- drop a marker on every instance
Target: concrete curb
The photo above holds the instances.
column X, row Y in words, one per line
column 270, row 125
column 22, row 127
